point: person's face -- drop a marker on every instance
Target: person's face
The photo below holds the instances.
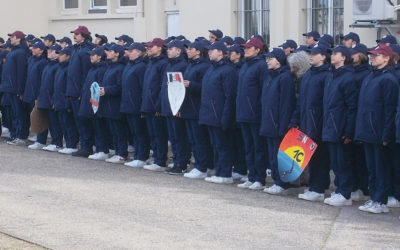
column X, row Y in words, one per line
column 97, row 40
column 349, row 43
column 47, row 42
column 215, row 55
column 173, row 52
column 251, row 52
column 378, row 61
column 192, row 53
column 234, row 56
column 121, row 42
column 14, row 40
column 317, row 59
column 63, row 58
column 212, row 38
column 337, row 59
column 112, row 55
column 51, row 54
column 287, row 51
column 273, row 63
column 310, row 40
column 134, row 54
column 63, row 44
column 154, row 50
column 78, row 38
column 37, row 51
column 95, row 58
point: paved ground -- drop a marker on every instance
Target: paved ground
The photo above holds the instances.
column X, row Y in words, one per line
column 62, row 202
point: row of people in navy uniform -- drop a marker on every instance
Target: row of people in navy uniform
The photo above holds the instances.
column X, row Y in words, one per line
column 240, row 101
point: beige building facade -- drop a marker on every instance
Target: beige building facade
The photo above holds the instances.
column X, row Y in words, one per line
column 276, row 20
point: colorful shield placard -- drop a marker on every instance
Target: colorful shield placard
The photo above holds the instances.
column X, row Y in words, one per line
column 95, row 96
column 176, row 91
column 294, row 153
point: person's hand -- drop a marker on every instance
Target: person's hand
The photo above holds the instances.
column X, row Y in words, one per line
column 53, row 107
column 101, row 91
column 21, row 97
column 158, row 114
column 385, row 143
column 178, row 114
column 186, row 83
column 346, row 140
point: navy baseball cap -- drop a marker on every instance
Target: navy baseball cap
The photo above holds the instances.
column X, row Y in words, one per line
column 301, row 48
column 199, row 38
column 319, row 49
column 197, row 45
column 205, row 43
column 277, row 53
column 65, row 40
column 314, row 34
column 97, row 51
column 218, row 45
column 186, row 42
column 67, row 50
column 125, row 38
column 236, row 48
column 49, row 37
column 2, row 40
column 138, row 46
column 239, row 40
column 169, row 39
column 35, row 40
column 227, row 39
column 39, row 45
column 342, row 49
column 180, row 37
column 353, row 36
column 395, row 48
column 359, row 48
column 387, row 39
column 176, row 43
column 116, row 48
column 217, row 33
column 28, row 37
column 103, row 38
column 7, row 44
column 289, row 44
column 55, row 47
column 328, row 39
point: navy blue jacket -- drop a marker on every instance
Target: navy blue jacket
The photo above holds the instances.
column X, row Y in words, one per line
column 34, row 78
column 79, row 65
column 377, row 107
column 110, row 103
column 45, row 97
column 177, row 64
column 60, row 86
column 95, row 74
column 132, row 86
column 13, row 77
column 277, row 102
column 218, row 95
column 340, row 104
column 248, row 99
column 360, row 72
column 194, row 74
column 308, row 112
column 152, row 84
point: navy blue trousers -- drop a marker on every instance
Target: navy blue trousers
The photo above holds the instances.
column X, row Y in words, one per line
column 360, row 171
column 138, row 128
column 339, row 156
column 7, row 113
column 157, row 128
column 273, row 148
column 181, row 148
column 239, row 156
column 74, row 104
column 21, row 116
column 55, row 128
column 201, row 146
column 393, row 151
column 319, row 169
column 68, row 126
column 103, row 139
column 379, row 172
column 222, row 143
column 86, row 133
column 118, row 128
column 255, row 151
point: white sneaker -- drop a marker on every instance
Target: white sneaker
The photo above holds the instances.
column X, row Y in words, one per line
column 52, row 148
column 358, row 195
column 155, row 167
column 67, row 151
column 269, row 172
column 210, row 172
column 111, row 152
column 212, row 179
column 5, row 132
column 131, row 149
column 116, row 159
column 338, row 200
column 393, row 202
column 311, row 196
column 171, row 165
column 135, row 164
column 36, row 146
column 237, row 176
column 32, row 138
column 150, row 161
column 274, row 189
column 244, row 179
column 245, row 184
column 378, row 208
column 195, row 174
column 219, row 180
column 366, row 206
column 100, row 156
column 257, row 186
column 17, row 142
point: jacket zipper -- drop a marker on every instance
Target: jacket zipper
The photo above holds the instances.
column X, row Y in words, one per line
column 215, row 113
column 312, row 118
column 371, row 123
column 334, row 124
column 130, row 98
column 273, row 120
column 251, row 107
column 191, row 100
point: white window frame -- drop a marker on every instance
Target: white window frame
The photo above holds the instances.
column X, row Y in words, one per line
column 172, row 13
column 128, row 9
column 69, row 9
column 94, row 7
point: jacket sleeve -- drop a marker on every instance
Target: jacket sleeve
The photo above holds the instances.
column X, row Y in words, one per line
column 195, row 84
column 229, row 85
column 114, row 88
column 21, row 72
column 287, row 102
column 350, row 101
column 157, row 101
column 390, row 90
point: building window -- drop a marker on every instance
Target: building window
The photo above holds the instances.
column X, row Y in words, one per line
column 98, row 4
column 173, row 24
column 127, row 3
column 71, row 4
column 253, row 17
column 326, row 17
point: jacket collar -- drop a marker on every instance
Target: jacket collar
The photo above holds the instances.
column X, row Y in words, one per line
column 342, row 70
